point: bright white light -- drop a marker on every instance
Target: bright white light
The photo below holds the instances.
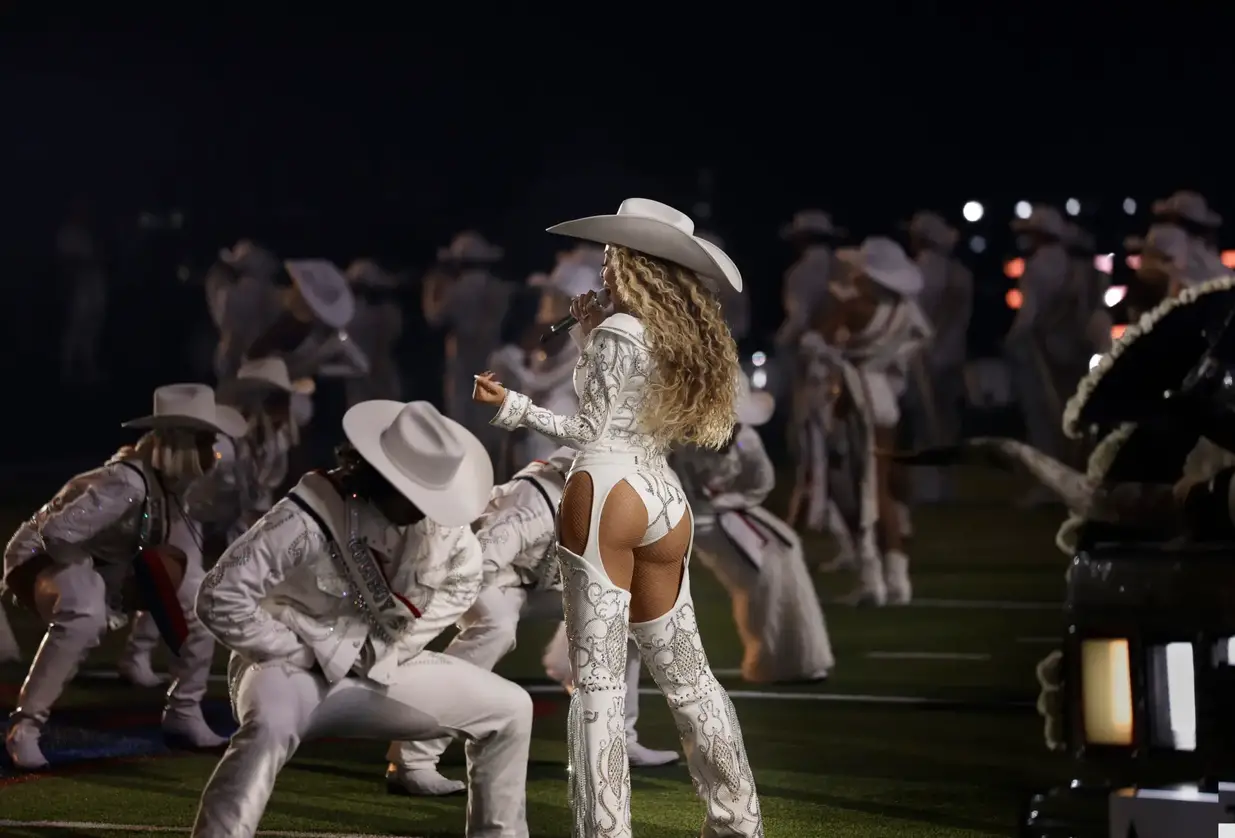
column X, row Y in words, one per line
column 1114, row 295
column 973, row 211
column 1023, row 209
column 1072, row 207
column 758, row 359
column 1104, row 262
column 1129, row 206
column 977, row 244
column 1173, row 707
column 1106, row 692
column 1094, row 361
column 759, row 379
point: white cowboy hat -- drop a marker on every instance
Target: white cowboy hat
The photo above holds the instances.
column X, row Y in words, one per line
column 192, row 407
column 434, row 462
column 324, row 290
column 368, row 273
column 885, row 262
column 1190, row 206
column 754, row 407
column 470, row 246
column 933, row 229
column 816, row 222
column 1043, row 219
column 262, row 375
column 709, row 236
column 575, row 278
column 247, row 256
column 658, row 230
column 1167, row 240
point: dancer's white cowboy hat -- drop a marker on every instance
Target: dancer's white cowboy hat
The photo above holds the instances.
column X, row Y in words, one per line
column 754, row 407
column 658, row 230
column 933, row 229
column 192, row 407
column 1043, row 219
column 812, row 221
column 1167, row 240
column 249, row 257
column 261, row 375
column 434, row 462
column 1190, row 206
column 470, row 246
column 366, row 272
column 324, row 289
column 885, row 262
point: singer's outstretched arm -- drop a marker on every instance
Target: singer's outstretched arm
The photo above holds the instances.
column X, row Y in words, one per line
column 609, row 359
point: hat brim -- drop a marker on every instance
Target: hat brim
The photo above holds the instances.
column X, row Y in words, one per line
column 1150, row 360
column 228, row 422
column 756, row 409
column 238, row 388
column 789, row 231
column 456, row 505
column 655, row 238
column 906, row 283
column 335, row 313
column 1163, row 209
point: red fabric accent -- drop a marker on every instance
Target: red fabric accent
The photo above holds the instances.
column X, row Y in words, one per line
column 406, row 602
column 382, row 567
column 164, row 601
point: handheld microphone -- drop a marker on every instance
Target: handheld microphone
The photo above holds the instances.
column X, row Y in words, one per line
column 568, row 323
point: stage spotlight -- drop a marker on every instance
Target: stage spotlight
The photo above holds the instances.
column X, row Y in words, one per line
column 1072, row 207
column 1129, row 206
column 1023, row 209
column 973, row 211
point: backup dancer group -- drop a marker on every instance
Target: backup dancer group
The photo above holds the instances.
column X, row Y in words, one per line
column 328, row 597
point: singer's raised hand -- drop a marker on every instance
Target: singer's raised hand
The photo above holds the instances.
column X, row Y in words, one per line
column 488, row 390
column 587, row 310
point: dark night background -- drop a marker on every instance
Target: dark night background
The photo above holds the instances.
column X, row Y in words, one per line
column 346, row 136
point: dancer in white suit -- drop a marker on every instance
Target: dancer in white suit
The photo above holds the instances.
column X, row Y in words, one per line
column 756, row 556
column 521, row 582
column 83, row 545
column 657, row 371
column 328, row 602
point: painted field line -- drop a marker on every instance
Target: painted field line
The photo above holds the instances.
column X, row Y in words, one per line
column 1040, row 641
column 87, row 826
column 726, row 673
column 834, row 698
column 927, row 656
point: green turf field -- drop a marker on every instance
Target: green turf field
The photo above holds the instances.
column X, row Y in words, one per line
column 826, row 765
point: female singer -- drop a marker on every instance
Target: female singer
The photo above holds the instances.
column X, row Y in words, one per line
column 659, row 370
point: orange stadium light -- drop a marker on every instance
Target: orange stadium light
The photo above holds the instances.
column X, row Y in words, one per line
column 1228, row 259
column 1014, row 298
column 1117, row 331
column 1014, row 268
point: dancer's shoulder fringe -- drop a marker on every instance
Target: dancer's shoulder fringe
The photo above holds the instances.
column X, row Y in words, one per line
column 1072, row 412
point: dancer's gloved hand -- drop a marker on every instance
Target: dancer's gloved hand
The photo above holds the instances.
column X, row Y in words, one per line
column 488, row 390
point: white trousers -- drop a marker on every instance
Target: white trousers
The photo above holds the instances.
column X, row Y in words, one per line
column 488, row 633
column 279, row 706
column 78, row 622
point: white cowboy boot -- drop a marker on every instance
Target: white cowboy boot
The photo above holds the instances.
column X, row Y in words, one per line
column 597, row 616
column 420, row 782
column 135, row 665
column 872, row 587
column 640, row 756
column 896, row 568
column 706, row 720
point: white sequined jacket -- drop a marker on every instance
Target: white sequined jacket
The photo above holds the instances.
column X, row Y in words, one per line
column 611, row 380
column 517, row 530
column 282, row 593
column 737, row 478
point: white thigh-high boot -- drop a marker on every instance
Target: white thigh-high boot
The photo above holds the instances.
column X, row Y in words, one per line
column 10, row 652
column 183, row 721
column 78, row 620
column 711, row 738
column 135, row 665
column 597, row 616
column 639, row 755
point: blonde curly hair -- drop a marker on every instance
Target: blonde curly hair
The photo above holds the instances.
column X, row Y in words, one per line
column 693, row 386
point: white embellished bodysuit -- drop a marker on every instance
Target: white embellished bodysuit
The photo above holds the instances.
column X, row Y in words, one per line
column 611, row 380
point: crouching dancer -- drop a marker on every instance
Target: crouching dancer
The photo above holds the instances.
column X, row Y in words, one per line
column 521, row 580
column 72, row 561
column 327, row 604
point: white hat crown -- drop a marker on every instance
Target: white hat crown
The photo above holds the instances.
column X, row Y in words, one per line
column 193, row 400
column 422, row 447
